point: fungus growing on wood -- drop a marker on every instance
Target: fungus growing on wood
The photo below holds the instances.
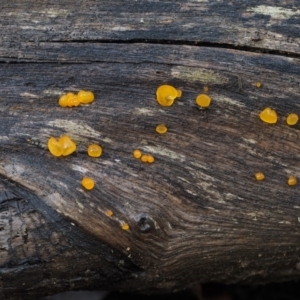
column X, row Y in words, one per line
column 203, row 100
column 137, row 153
column 94, row 150
column 205, row 89
column 161, row 128
column 258, row 84
column 125, row 226
column 64, row 146
column 166, row 94
column 292, row 119
column 292, row 180
column 259, row 176
column 68, row 100
column 85, row 97
column 268, row 115
column 109, row 213
column 150, row 159
column 144, row 158
column 88, row 183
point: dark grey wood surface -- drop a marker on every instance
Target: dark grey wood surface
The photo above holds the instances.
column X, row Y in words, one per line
column 195, row 215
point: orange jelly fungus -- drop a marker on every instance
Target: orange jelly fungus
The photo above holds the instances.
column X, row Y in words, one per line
column 55, row 147
column 85, row 96
column 68, row 146
column 292, row 119
column 137, row 153
column 150, row 159
column 125, row 226
column 94, row 150
column 292, row 180
column 161, row 128
column 68, row 100
column 144, row 158
column 166, row 94
column 109, row 213
column 205, row 89
column 259, row 176
column 258, row 84
column 88, row 183
column 64, row 146
column 203, row 100
column 268, row 115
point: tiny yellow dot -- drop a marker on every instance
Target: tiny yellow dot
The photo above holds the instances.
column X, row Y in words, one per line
column 203, row 100
column 205, row 89
column 258, row 84
column 292, row 119
column 144, row 158
column 137, row 153
column 150, row 159
column 268, row 115
column 125, row 226
column 161, row 128
column 179, row 93
column 94, row 150
column 109, row 213
column 88, row 183
column 259, row 176
column 292, row 180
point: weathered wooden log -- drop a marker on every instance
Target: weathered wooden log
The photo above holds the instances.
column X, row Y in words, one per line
column 196, row 214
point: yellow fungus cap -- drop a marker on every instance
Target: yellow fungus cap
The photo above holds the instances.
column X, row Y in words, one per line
column 292, row 180
column 161, row 128
column 72, row 100
column 55, row 147
column 137, row 153
column 166, row 94
column 205, row 89
column 88, row 183
column 150, row 159
column 268, row 115
column 179, row 93
column 292, row 119
column 94, row 150
column 85, row 96
column 63, row 101
column 259, row 176
column 109, row 212
column 67, row 144
column 203, row 100
column 125, row 226
column 144, row 158
column 258, row 84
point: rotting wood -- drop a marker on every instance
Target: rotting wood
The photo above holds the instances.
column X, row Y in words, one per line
column 266, row 25
column 196, row 214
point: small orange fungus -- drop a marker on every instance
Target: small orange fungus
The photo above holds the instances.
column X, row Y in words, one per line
column 68, row 146
column 150, row 159
column 64, row 146
column 166, row 94
column 258, row 84
column 259, row 176
column 205, row 89
column 268, row 115
column 203, row 100
column 125, row 226
column 144, row 158
column 94, row 150
column 55, row 147
column 292, row 119
column 109, row 213
column 85, row 96
column 161, row 128
column 179, row 93
column 292, row 180
column 69, row 99
column 88, row 183
column 137, row 153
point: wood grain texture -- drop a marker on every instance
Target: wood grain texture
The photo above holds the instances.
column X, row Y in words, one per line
column 195, row 215
column 266, row 25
